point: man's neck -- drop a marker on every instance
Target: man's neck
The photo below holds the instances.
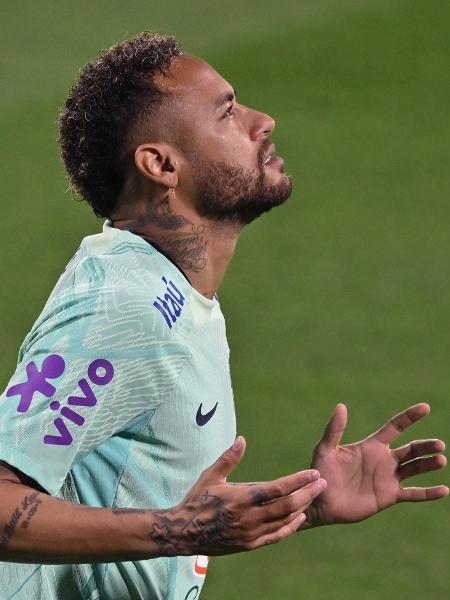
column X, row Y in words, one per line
column 200, row 248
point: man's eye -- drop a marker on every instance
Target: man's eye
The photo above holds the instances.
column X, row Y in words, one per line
column 229, row 112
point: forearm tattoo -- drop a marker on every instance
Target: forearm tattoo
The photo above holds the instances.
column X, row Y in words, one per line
column 199, row 528
column 21, row 517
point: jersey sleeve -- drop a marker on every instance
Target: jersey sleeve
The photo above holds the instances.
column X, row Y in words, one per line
column 97, row 358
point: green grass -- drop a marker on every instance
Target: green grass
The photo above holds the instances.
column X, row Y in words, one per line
column 341, row 295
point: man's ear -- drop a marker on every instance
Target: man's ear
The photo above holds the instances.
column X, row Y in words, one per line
column 156, row 162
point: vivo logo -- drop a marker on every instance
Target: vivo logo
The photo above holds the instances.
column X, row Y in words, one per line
column 100, row 372
column 171, row 304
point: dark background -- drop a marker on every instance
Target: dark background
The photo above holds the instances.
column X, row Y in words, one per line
column 342, row 295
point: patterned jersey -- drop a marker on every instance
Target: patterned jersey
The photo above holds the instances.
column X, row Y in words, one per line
column 121, row 397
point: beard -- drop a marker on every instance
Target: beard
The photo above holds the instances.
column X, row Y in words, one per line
column 227, row 192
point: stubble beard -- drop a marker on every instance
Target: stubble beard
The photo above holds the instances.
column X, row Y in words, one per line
column 230, row 193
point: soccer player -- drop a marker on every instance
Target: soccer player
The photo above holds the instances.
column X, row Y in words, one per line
column 118, row 428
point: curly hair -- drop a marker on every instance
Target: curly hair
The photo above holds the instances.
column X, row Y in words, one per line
column 102, row 110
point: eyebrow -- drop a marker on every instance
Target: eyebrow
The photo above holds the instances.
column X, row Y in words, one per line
column 224, row 98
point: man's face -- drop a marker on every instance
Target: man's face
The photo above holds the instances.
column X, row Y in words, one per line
column 231, row 171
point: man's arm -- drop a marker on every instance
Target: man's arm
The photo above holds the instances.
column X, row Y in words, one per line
column 365, row 477
column 215, row 518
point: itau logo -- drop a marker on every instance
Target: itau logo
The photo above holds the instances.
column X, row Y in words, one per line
column 170, row 304
column 100, row 372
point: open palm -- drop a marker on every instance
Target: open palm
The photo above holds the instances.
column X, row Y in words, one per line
column 364, row 478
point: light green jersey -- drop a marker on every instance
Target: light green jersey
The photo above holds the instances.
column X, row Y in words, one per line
column 121, row 397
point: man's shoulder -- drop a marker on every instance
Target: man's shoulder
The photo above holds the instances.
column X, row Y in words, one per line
column 115, row 259
column 117, row 250
column 123, row 273
column 108, row 297
column 118, row 277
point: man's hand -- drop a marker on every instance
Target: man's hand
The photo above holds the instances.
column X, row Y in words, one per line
column 364, row 478
column 217, row 517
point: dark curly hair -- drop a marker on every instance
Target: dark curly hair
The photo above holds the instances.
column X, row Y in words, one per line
column 103, row 110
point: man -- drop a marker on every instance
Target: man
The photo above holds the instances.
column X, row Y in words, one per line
column 117, row 429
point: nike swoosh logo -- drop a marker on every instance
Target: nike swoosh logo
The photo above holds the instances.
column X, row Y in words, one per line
column 202, row 419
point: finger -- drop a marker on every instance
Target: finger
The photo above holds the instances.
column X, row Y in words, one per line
column 334, row 429
column 272, row 490
column 268, row 527
column 219, row 471
column 397, row 425
column 418, row 448
column 422, row 494
column 299, row 500
column 421, row 465
column 279, row 534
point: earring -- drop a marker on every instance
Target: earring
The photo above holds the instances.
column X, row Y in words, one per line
column 172, row 195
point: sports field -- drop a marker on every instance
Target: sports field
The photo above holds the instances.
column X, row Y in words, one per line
column 342, row 295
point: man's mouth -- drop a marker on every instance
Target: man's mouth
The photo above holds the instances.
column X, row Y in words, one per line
column 270, row 151
column 270, row 160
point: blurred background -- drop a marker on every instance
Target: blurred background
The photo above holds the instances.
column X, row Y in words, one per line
column 342, row 295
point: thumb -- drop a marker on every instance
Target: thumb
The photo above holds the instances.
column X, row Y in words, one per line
column 219, row 471
column 335, row 428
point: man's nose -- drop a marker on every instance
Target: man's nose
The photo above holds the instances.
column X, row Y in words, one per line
column 262, row 125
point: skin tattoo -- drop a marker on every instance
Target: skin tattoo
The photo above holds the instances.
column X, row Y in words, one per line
column 207, row 520
column 21, row 516
column 182, row 241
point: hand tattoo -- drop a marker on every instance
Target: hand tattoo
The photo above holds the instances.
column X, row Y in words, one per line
column 259, row 495
column 203, row 526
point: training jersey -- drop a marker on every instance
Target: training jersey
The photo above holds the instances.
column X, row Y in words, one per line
column 121, row 397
